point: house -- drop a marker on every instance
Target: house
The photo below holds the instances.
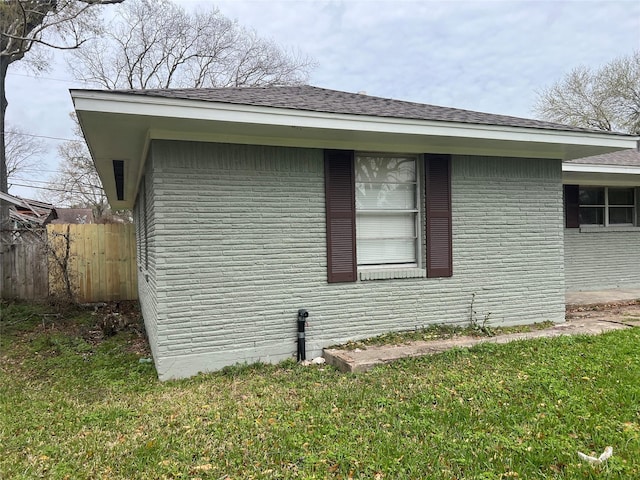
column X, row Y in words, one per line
column 372, row 214
column 27, row 213
column 602, row 220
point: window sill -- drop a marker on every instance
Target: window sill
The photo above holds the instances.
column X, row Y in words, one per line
column 609, row 229
column 391, row 273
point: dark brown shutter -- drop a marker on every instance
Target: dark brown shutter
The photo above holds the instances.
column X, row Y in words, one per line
column 438, row 211
column 637, row 206
column 341, row 215
column 572, row 206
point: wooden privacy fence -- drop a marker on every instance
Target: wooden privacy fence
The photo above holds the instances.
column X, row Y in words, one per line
column 94, row 262
column 24, row 264
column 101, row 261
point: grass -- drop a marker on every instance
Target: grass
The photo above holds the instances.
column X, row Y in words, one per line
column 75, row 407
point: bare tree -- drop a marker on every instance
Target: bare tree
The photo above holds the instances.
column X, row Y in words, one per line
column 61, row 24
column 77, row 183
column 604, row 99
column 22, row 151
column 157, row 44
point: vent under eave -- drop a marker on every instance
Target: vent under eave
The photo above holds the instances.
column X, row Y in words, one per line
column 118, row 175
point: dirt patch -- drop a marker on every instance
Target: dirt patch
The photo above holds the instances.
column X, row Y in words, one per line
column 94, row 323
column 624, row 312
column 115, row 317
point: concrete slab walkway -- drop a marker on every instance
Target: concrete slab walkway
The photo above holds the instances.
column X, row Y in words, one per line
column 602, row 296
column 362, row 360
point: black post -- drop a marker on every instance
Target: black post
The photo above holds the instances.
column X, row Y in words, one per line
column 302, row 323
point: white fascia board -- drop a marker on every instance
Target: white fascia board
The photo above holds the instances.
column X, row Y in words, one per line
column 131, row 104
column 594, row 168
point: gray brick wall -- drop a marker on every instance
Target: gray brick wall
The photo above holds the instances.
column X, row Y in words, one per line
column 598, row 259
column 239, row 235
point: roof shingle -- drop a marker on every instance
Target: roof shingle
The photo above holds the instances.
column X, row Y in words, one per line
column 310, row 98
column 628, row 158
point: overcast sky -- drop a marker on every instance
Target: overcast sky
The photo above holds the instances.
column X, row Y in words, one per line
column 489, row 56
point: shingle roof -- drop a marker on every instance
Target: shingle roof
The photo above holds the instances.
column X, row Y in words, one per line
column 622, row 157
column 309, row 98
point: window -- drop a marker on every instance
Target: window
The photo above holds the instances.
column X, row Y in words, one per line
column 379, row 194
column 138, row 223
column 142, row 227
column 606, row 206
column 387, row 213
column 145, row 219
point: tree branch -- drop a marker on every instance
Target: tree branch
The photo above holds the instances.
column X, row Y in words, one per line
column 47, row 44
column 160, row 45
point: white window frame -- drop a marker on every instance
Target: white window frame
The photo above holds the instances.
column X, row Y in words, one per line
column 606, row 207
column 417, row 212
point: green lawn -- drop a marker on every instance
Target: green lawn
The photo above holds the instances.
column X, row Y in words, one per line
column 76, row 407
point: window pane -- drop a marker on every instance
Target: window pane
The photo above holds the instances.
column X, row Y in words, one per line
column 621, row 196
column 389, row 196
column 385, row 169
column 591, row 215
column 591, row 195
column 386, row 226
column 386, row 209
column 619, row 215
column 385, row 251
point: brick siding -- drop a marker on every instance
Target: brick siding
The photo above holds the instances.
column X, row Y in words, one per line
column 600, row 259
column 237, row 245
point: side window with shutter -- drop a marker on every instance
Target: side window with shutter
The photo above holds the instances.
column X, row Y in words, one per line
column 438, row 215
column 138, row 225
column 392, row 244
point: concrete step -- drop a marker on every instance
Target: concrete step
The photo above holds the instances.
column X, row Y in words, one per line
column 363, row 360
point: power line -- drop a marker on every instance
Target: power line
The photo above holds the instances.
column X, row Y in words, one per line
column 41, row 188
column 23, row 170
column 50, row 78
column 21, row 179
column 44, row 136
column 78, row 192
column 45, row 182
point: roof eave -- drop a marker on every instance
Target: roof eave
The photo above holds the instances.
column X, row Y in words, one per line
column 602, row 175
column 137, row 120
column 128, row 104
